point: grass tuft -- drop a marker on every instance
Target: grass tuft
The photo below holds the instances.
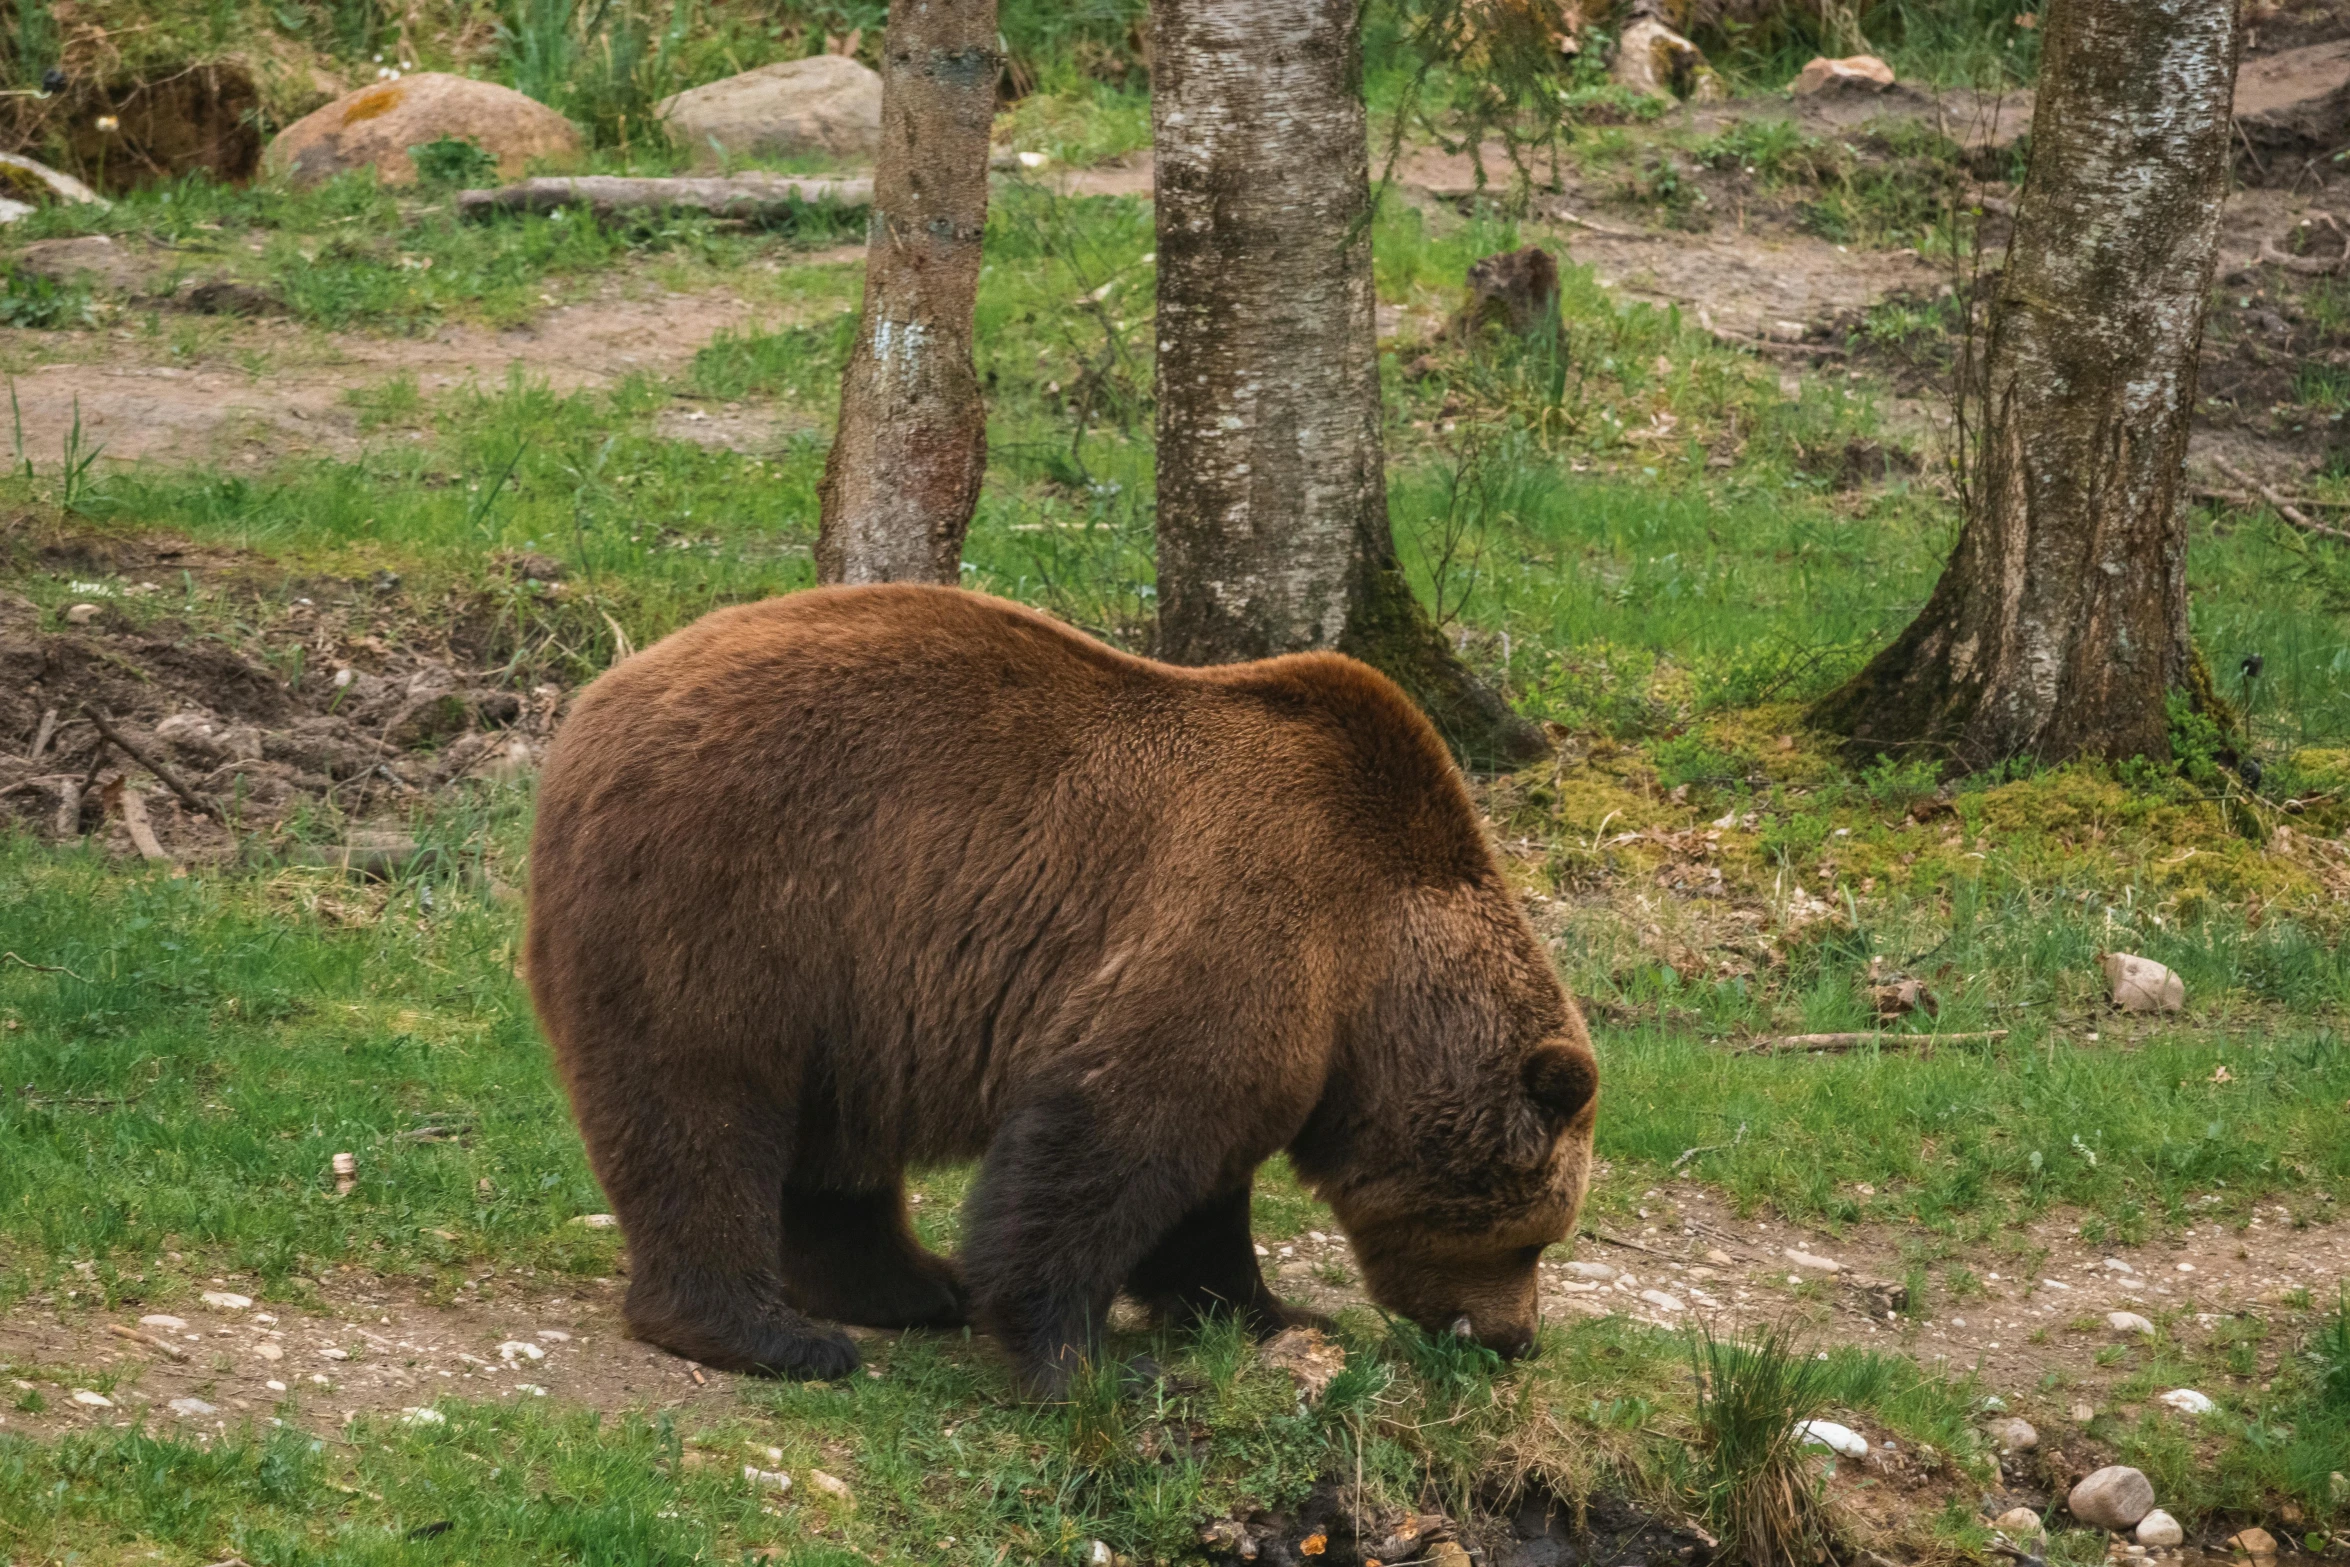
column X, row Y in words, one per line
column 1756, row 1486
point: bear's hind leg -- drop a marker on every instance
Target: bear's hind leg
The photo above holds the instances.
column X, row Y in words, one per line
column 853, row 1257
column 698, row 1185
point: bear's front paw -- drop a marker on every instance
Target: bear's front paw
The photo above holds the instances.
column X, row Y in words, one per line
column 816, row 1356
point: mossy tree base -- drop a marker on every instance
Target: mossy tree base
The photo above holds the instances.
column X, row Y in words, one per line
column 1387, row 628
column 2059, row 629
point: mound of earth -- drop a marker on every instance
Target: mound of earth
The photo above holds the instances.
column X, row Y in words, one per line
column 341, row 716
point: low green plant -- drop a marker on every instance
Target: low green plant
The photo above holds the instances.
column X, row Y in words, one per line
column 42, row 304
column 1754, row 1482
column 454, row 160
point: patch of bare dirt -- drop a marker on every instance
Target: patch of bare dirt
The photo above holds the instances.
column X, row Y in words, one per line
column 377, row 1351
column 294, row 398
column 352, row 706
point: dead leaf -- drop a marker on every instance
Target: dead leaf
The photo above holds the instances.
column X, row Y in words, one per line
column 1311, row 1360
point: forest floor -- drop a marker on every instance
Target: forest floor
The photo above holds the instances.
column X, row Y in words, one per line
column 340, row 562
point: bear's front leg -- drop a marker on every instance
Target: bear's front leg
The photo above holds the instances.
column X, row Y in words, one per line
column 1060, row 1217
column 1207, row 1264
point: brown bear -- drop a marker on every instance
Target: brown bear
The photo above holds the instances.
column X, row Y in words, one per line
column 865, row 879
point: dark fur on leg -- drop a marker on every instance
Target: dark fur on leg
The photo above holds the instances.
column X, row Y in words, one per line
column 1207, row 1263
column 1057, row 1222
column 853, row 1257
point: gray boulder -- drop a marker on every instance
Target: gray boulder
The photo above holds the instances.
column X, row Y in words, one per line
column 826, row 105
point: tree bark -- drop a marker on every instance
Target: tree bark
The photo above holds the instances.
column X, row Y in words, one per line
column 903, row 476
column 1273, row 534
column 2059, row 628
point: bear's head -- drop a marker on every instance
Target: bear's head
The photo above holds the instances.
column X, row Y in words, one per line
column 1457, row 1147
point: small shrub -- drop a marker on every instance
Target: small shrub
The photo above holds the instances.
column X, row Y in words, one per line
column 37, row 303
column 2331, row 1348
column 1756, row 1485
column 454, row 161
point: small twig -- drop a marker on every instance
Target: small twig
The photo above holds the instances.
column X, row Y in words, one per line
column 1611, row 1240
column 1861, row 1040
column 133, row 806
column 41, row 968
column 2284, row 508
column 168, row 1350
column 2239, row 498
column 156, row 765
column 90, row 1102
column 1688, row 1154
column 2306, row 266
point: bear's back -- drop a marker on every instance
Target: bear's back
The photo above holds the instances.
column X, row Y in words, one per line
column 903, row 827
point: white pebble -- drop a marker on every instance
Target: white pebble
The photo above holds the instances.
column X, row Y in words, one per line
column 2129, row 1322
column 2159, row 1528
column 191, row 1408
column 423, row 1417
column 520, row 1349
column 597, row 1221
column 226, row 1300
column 766, row 1479
column 1662, row 1301
column 82, row 1395
column 1818, row 1264
column 2187, row 1401
column 1828, row 1434
column 159, row 1320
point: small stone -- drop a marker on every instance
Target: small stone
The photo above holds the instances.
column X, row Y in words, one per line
column 1662, row 1301
column 553, row 1335
column 597, row 1221
column 423, row 1417
column 225, row 1300
column 1099, row 1554
column 2187, row 1401
column 2116, row 1265
column 169, row 1324
column 2084, row 1413
column 2019, row 1523
column 2338, row 1489
column 2141, row 984
column 766, row 1479
column 2014, row 1435
column 82, row 1395
column 2115, row 1497
column 1863, row 73
column 1828, row 1434
column 81, row 614
column 191, row 1408
column 274, row 1385
column 520, row 1349
column 2253, row 1542
column 2129, row 1322
column 1596, row 1272
column 2159, row 1528
column 830, row 1485
column 335, row 1354
column 1720, row 1258
column 1805, row 1259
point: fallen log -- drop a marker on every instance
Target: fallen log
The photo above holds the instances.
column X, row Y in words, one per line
column 1863, row 1040
column 2284, row 508
column 757, row 197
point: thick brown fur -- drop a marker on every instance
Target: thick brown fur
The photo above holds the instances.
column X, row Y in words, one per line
column 864, row 879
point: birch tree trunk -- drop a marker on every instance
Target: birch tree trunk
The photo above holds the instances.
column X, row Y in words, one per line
column 903, row 476
column 1273, row 534
column 2059, row 628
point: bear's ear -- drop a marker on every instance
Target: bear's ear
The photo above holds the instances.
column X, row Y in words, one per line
column 1561, row 1079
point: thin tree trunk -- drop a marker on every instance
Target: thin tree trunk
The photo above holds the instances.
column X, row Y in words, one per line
column 2059, row 628
column 903, row 476
column 1273, row 534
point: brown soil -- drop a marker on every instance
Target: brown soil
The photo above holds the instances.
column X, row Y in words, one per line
column 294, row 398
column 376, row 719
column 2031, row 1336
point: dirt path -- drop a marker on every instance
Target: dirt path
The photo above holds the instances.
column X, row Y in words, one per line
column 2032, row 1334
column 272, row 389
